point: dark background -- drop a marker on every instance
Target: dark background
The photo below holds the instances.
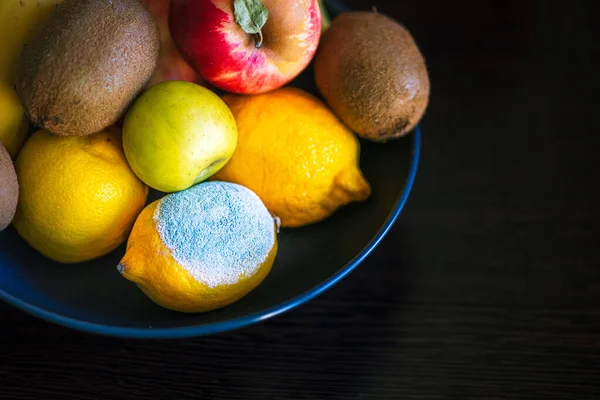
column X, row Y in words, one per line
column 487, row 287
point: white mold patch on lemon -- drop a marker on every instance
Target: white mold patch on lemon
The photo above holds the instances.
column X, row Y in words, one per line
column 217, row 232
column 202, row 248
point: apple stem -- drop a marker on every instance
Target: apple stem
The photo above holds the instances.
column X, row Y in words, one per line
column 258, row 40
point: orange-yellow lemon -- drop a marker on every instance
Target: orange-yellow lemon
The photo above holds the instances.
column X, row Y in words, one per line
column 295, row 154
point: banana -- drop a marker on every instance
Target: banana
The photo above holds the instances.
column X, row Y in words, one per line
column 18, row 19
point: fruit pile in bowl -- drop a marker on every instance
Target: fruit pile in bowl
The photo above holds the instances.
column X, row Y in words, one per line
column 174, row 168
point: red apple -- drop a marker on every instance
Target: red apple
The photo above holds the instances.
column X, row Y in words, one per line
column 171, row 65
column 210, row 38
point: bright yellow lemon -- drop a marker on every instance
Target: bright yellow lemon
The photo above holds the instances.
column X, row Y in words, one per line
column 78, row 197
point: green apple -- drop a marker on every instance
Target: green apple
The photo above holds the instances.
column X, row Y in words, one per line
column 178, row 134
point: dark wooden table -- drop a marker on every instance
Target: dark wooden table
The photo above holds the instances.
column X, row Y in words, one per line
column 488, row 286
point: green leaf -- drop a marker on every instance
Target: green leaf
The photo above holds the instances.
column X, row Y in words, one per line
column 250, row 14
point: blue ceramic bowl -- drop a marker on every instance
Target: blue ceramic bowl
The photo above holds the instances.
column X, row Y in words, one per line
column 94, row 297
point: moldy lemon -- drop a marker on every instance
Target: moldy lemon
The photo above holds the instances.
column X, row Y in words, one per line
column 202, row 248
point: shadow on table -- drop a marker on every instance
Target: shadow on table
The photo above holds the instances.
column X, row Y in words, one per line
column 331, row 343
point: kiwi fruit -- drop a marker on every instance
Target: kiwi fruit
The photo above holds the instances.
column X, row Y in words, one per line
column 372, row 75
column 86, row 63
column 9, row 189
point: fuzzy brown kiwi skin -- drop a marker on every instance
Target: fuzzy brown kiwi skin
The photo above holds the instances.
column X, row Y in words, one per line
column 372, row 74
column 86, row 63
column 9, row 189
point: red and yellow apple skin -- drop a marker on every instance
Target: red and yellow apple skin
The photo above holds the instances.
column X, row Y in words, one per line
column 217, row 47
column 170, row 65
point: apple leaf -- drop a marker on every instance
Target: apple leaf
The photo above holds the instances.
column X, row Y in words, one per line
column 251, row 15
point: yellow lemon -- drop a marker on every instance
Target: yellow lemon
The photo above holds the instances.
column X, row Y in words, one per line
column 295, row 154
column 202, row 248
column 78, row 197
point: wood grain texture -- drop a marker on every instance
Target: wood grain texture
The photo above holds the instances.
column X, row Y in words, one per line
column 488, row 287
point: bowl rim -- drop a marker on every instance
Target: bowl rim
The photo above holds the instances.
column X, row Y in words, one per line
column 246, row 320
column 250, row 319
